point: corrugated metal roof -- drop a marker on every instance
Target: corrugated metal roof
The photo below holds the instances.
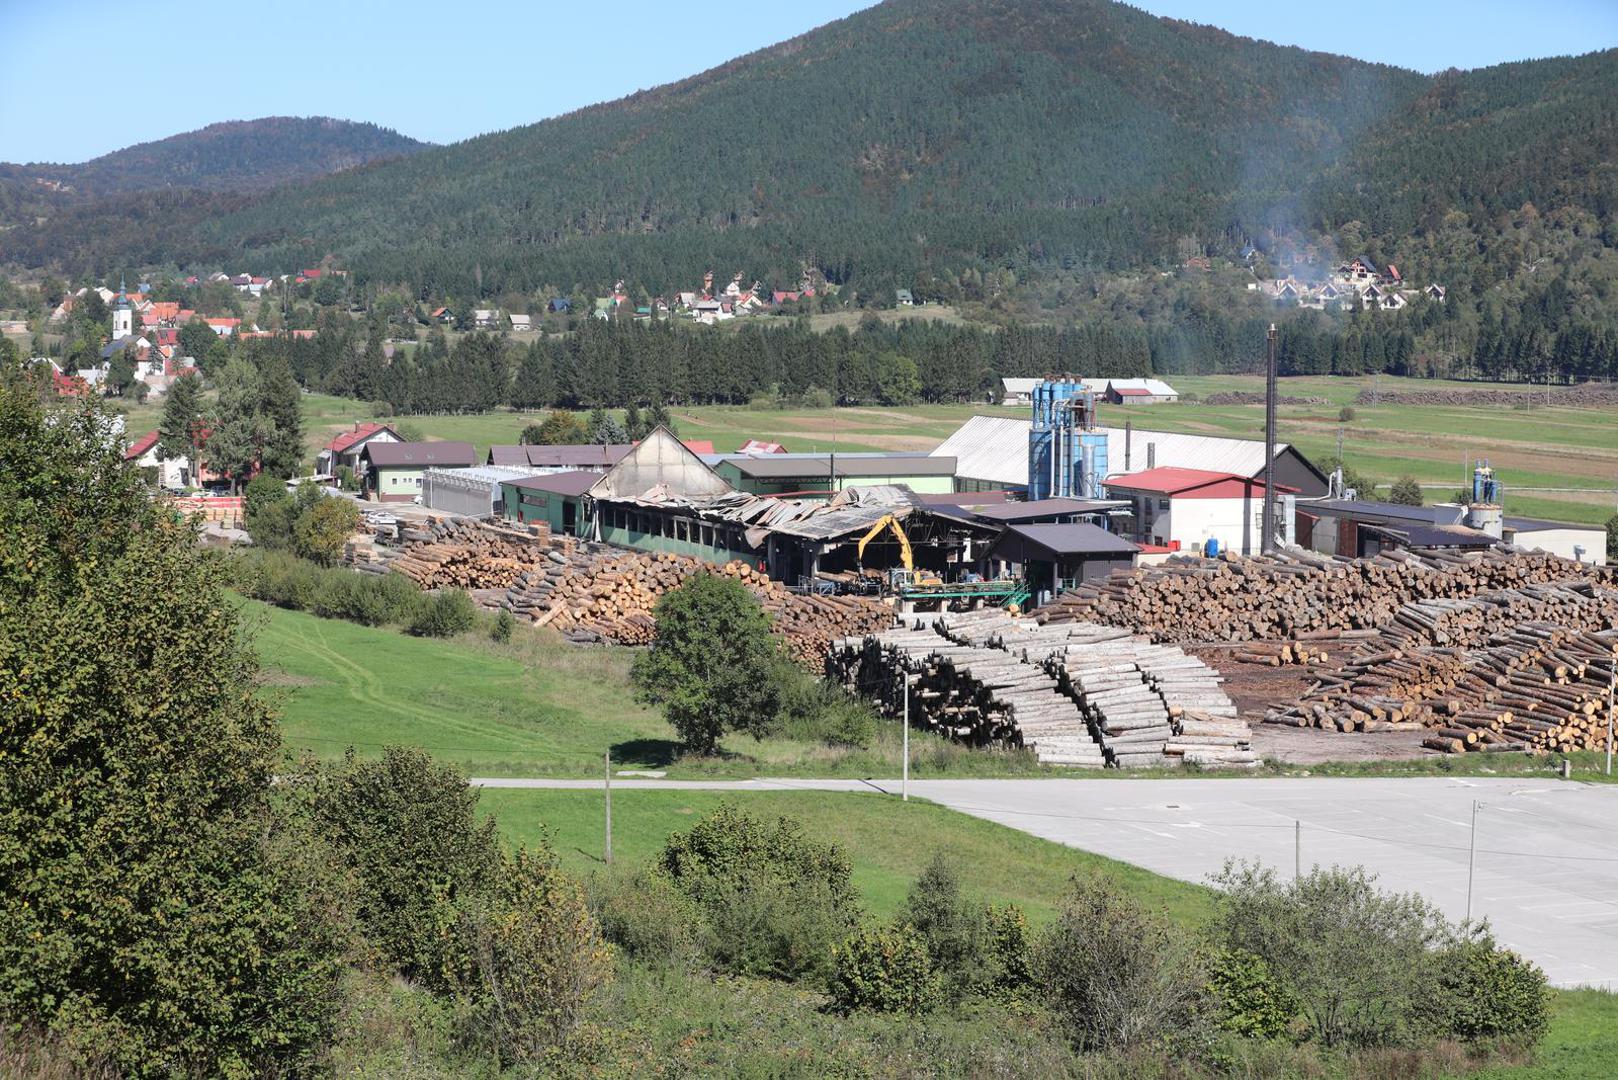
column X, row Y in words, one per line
column 398, row 454
column 846, row 465
column 1076, row 539
column 995, row 449
column 1523, row 524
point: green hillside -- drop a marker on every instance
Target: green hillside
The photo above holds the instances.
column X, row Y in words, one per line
column 936, row 137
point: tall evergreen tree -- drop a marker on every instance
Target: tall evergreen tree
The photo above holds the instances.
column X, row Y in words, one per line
column 180, row 430
column 282, row 406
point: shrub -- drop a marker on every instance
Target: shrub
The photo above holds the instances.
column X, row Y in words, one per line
column 1009, row 950
column 1491, row 993
column 884, row 970
column 1356, row 960
column 444, row 614
column 1346, row 414
column 1247, row 998
column 1115, row 975
column 335, row 595
column 775, row 900
column 502, row 626
column 952, row 929
column 345, row 478
column 323, row 527
column 712, row 662
column 1612, row 538
column 1406, row 492
column 817, row 710
column 649, row 919
column 529, row 961
column 408, row 832
column 268, row 512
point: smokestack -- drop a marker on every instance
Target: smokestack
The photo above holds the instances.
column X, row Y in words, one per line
column 1267, row 534
column 1151, row 455
column 1129, row 433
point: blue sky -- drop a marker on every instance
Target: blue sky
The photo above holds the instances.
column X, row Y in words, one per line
column 446, row 72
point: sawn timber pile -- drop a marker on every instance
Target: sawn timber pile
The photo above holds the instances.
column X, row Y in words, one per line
column 609, row 596
column 1076, row 694
column 1288, row 595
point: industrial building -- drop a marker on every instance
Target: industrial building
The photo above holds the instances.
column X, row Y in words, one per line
column 473, row 492
column 823, row 474
column 1019, row 391
column 1198, row 510
column 992, row 454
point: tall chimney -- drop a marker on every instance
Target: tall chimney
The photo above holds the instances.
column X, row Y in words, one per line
column 1129, row 433
column 1267, row 534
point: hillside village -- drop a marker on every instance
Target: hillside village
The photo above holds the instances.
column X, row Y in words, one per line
column 1360, row 283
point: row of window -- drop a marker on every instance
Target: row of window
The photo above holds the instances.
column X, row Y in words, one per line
column 651, row 523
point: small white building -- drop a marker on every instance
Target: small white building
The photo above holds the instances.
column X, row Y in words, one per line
column 1189, row 509
column 521, row 323
column 1583, row 543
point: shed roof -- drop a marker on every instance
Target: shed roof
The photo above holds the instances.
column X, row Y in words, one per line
column 419, row 454
column 1191, row 483
column 1020, row 543
column 1523, row 524
column 846, row 465
column 1038, row 508
column 560, row 483
column 582, row 455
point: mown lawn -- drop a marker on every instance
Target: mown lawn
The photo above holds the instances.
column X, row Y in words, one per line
column 890, row 842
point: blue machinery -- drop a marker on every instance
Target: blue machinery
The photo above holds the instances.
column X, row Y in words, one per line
column 1486, row 490
column 1067, row 453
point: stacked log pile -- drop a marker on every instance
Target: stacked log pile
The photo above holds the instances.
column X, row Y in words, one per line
column 1579, row 396
column 609, row 595
column 463, row 553
column 1532, row 686
column 1289, row 596
column 1077, row 694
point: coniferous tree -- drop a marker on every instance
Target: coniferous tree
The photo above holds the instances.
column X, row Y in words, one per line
column 180, row 430
column 282, row 407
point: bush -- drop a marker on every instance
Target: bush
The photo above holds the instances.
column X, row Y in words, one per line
column 775, row 900
column 444, row 614
column 408, row 832
column 1346, row 414
column 817, row 710
column 953, row 930
column 1009, row 950
column 1358, row 961
column 884, row 970
column 1612, row 539
column 502, row 626
column 1406, row 492
column 323, row 526
column 1115, row 975
column 529, row 961
column 649, row 919
column 712, row 662
column 1490, row 993
column 268, row 512
column 1247, row 998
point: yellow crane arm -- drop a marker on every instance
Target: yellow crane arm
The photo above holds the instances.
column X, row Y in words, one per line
column 888, row 521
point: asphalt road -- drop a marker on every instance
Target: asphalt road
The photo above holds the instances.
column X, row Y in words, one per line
column 1546, row 874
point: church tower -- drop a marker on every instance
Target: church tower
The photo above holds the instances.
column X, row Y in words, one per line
column 123, row 315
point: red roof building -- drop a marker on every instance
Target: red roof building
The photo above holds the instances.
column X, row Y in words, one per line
column 140, row 446
column 757, row 446
column 1198, row 509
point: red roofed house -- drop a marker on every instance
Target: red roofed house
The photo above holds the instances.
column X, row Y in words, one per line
column 758, row 446
column 1191, row 508
column 223, row 327
column 68, row 385
column 345, row 448
column 143, row 452
column 698, row 446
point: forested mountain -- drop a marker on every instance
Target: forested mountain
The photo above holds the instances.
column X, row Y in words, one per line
column 941, row 144
column 191, row 170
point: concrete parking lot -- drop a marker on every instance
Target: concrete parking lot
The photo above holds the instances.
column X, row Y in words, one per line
column 1547, row 851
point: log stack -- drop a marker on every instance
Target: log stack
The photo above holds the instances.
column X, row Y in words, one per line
column 1076, row 693
column 462, row 553
column 609, row 595
column 1287, row 596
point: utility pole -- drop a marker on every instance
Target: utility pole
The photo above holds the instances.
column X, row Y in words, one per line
column 1471, row 862
column 904, row 777
column 1267, row 533
column 1612, row 684
column 609, row 807
column 1297, row 850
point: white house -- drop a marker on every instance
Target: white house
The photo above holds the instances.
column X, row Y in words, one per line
column 521, row 323
column 172, row 473
column 1191, row 509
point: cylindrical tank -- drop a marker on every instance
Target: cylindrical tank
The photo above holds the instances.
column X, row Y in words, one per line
column 1211, row 548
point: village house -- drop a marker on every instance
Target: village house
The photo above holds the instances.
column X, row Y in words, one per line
column 392, row 471
column 345, row 447
column 521, row 323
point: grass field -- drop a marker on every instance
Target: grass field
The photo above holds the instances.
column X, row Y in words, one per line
column 533, row 707
column 890, row 842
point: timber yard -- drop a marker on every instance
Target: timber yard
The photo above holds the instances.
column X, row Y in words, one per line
column 1100, row 596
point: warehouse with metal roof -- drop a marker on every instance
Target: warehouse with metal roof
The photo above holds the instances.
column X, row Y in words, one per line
column 991, row 452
